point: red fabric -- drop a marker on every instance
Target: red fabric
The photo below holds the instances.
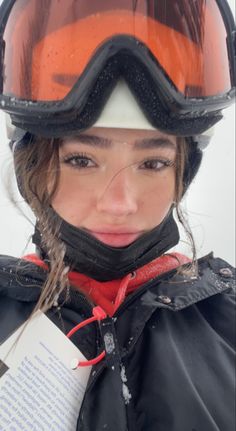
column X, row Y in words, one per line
column 110, row 294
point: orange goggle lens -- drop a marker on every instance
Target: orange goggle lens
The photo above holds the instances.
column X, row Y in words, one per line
column 48, row 45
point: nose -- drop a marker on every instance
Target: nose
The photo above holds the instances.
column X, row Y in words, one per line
column 119, row 196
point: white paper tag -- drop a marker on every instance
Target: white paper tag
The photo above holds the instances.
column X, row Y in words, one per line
column 38, row 388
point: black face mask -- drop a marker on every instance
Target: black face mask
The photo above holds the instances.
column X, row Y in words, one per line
column 89, row 256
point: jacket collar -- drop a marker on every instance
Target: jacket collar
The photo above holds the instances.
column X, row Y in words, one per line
column 22, row 280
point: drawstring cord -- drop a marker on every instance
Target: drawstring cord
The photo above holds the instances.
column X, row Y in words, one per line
column 122, row 290
column 98, row 315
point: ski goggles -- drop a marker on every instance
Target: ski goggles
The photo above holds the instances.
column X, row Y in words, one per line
column 52, row 54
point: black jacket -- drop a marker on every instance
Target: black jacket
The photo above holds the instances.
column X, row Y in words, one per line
column 173, row 337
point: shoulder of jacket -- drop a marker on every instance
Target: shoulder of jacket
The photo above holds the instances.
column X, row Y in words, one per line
column 216, row 263
column 18, row 277
column 6, row 260
column 177, row 289
column 218, row 272
column 20, row 266
column 215, row 275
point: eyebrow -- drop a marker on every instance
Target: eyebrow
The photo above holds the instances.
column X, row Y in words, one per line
column 143, row 144
column 153, row 143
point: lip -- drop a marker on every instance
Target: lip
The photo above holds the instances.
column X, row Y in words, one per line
column 115, row 238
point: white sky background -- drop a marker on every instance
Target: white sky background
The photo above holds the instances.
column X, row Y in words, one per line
column 210, row 202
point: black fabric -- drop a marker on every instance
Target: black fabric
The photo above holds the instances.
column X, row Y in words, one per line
column 89, row 256
column 177, row 356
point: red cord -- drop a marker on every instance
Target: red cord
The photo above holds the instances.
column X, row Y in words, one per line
column 92, row 361
column 122, row 291
column 80, row 325
column 98, row 314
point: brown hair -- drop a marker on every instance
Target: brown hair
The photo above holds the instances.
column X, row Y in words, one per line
column 36, row 166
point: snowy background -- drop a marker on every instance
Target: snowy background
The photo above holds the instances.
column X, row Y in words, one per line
column 210, row 202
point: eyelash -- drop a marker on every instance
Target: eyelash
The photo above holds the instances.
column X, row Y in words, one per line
column 74, row 159
column 70, row 158
column 164, row 164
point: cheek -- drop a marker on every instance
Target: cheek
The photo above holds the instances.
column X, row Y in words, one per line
column 157, row 199
column 74, row 198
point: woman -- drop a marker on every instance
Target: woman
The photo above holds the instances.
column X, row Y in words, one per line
column 103, row 177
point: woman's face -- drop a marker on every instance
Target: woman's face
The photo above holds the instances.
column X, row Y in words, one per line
column 116, row 184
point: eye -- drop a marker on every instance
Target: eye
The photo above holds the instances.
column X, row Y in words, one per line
column 78, row 161
column 156, row 164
